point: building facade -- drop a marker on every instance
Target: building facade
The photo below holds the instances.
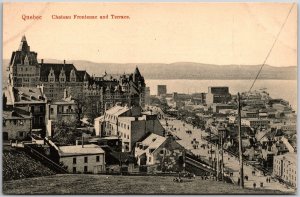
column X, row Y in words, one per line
column 217, row 95
column 27, row 100
column 159, row 154
column 285, row 167
column 103, row 92
column 15, row 126
column 161, row 90
column 88, row 158
column 129, row 124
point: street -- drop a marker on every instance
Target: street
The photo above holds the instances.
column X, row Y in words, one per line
column 179, row 128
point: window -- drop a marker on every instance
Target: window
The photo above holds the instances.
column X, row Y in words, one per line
column 85, row 159
column 74, row 160
column 85, row 168
column 32, row 109
column 74, row 169
column 97, row 158
column 51, row 110
column 149, row 159
column 21, row 134
column 41, row 120
column 41, row 108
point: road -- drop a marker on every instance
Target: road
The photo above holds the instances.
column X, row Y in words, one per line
column 179, row 128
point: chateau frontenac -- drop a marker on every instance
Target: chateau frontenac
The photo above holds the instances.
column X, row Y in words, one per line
column 58, row 80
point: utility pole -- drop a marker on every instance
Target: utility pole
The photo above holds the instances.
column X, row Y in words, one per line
column 218, row 162
column 210, row 145
column 222, row 158
column 240, row 143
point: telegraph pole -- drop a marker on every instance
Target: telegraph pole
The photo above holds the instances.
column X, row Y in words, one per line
column 222, row 157
column 240, row 143
column 218, row 163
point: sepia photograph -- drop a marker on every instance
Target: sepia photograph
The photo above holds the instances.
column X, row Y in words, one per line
column 149, row 98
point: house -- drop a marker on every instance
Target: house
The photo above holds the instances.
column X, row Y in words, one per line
column 159, row 154
column 28, row 100
column 16, row 126
column 60, row 110
column 87, row 158
column 119, row 162
column 279, row 148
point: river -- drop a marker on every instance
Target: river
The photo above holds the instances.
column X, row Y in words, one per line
column 285, row 89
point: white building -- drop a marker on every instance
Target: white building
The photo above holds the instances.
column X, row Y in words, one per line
column 88, row 158
column 255, row 122
column 285, row 167
column 128, row 124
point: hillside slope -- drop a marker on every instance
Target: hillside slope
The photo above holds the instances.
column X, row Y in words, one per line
column 18, row 165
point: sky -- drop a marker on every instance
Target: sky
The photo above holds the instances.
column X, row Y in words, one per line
column 213, row 33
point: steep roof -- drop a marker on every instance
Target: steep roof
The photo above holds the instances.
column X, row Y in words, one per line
column 23, row 51
column 153, row 141
column 57, row 67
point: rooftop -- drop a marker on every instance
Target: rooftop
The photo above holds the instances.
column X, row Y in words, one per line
column 87, row 149
column 153, row 141
column 117, row 110
column 288, row 156
column 27, row 94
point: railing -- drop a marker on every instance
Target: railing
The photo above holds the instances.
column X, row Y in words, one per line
column 199, row 165
column 48, row 162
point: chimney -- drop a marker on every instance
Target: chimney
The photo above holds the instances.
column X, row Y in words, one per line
column 42, row 61
column 82, row 140
column 64, row 62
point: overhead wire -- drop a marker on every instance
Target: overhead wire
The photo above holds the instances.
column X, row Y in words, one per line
column 276, row 38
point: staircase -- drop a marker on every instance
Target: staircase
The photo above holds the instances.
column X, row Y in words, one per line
column 43, row 159
column 197, row 166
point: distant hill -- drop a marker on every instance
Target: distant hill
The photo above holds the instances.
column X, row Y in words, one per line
column 183, row 70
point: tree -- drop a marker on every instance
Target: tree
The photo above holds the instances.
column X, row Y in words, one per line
column 85, row 107
column 65, row 132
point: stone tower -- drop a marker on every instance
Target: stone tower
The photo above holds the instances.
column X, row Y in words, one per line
column 23, row 68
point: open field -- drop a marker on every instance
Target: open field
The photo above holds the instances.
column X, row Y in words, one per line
column 108, row 184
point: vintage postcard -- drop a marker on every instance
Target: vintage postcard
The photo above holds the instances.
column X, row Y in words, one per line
column 149, row 98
